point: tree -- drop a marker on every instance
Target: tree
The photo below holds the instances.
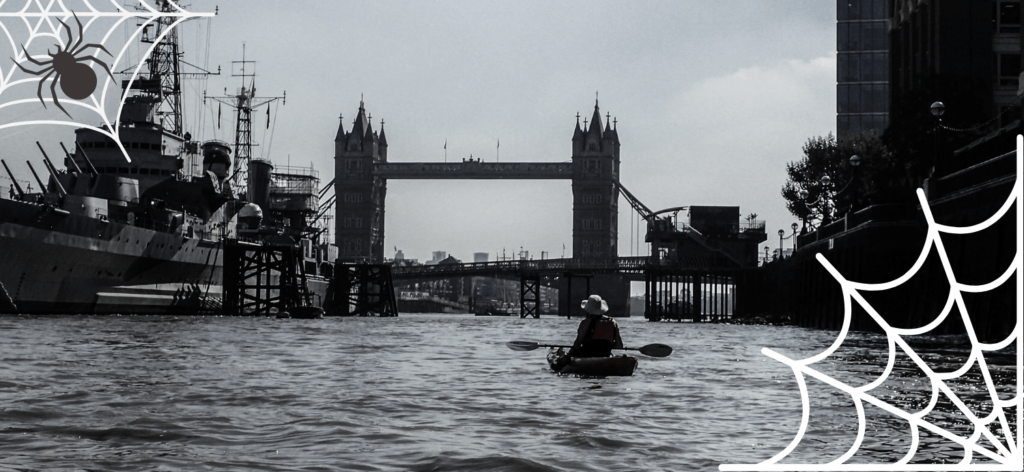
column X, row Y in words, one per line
column 847, row 187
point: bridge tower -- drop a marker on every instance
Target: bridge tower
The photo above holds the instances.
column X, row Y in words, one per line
column 595, row 202
column 359, row 211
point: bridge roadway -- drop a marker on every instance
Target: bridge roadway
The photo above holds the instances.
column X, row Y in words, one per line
column 633, row 267
column 474, row 169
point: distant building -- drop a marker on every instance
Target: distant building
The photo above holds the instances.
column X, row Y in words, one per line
column 481, row 257
column 399, row 255
column 438, row 256
column 862, row 66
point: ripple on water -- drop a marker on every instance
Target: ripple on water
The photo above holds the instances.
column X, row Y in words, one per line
column 420, row 392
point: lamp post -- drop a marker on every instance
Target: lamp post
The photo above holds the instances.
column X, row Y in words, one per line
column 807, row 211
column 854, row 183
column 804, row 194
column 825, row 183
column 781, row 234
column 937, row 110
column 793, row 226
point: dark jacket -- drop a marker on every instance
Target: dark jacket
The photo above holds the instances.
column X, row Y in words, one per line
column 596, row 336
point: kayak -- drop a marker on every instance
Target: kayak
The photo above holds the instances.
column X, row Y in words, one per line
column 595, row 366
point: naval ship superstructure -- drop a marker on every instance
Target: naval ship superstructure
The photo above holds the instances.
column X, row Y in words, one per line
column 110, row 235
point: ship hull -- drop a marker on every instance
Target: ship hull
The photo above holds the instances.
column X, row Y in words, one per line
column 55, row 262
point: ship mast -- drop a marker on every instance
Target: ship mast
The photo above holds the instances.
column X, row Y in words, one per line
column 162, row 86
column 244, row 102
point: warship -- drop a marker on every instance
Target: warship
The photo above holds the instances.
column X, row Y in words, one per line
column 105, row 234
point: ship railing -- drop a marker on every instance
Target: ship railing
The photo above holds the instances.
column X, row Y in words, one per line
column 290, row 171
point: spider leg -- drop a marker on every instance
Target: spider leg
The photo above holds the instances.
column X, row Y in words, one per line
column 29, row 57
column 92, row 45
column 68, row 28
column 31, row 71
column 39, row 91
column 80, row 32
column 53, row 92
column 104, row 66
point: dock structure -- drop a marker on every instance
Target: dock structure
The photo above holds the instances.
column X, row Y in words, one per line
column 362, row 290
column 263, row 279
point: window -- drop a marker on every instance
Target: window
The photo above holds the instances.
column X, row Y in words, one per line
column 880, row 67
column 593, row 167
column 878, row 33
column 843, row 125
column 352, row 165
column 1009, row 69
column 854, row 39
column 1007, row 16
column 353, row 197
column 591, row 198
column 591, row 224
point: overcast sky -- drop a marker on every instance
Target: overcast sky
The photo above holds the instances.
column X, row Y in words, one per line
column 712, row 99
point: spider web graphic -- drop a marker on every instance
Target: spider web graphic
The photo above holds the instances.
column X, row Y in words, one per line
column 992, row 438
column 41, row 19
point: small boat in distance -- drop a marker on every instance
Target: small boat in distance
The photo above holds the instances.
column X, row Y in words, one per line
column 503, row 309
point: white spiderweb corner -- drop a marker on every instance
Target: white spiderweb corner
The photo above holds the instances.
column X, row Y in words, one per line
column 36, row 25
column 1003, row 453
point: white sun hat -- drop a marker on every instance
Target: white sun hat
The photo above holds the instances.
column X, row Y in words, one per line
column 594, row 305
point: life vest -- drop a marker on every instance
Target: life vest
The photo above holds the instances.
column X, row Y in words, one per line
column 605, row 329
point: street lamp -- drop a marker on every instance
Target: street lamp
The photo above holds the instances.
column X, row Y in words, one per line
column 807, row 211
column 781, row 234
column 804, row 194
column 825, row 183
column 937, row 110
column 794, row 225
column 853, row 188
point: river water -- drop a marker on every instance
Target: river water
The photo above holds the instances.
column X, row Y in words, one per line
column 432, row 392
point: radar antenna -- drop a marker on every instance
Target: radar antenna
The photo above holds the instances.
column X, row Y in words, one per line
column 244, row 102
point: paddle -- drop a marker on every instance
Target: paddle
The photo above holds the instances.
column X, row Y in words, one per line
column 653, row 350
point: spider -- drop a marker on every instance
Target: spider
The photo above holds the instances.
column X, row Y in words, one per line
column 77, row 80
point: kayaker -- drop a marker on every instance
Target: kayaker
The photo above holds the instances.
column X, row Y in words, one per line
column 598, row 333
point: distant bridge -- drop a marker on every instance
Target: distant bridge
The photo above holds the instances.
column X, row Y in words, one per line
column 634, row 267
column 702, row 273
column 474, row 169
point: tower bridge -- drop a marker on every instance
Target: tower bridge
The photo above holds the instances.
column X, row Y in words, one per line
column 681, row 257
column 362, row 171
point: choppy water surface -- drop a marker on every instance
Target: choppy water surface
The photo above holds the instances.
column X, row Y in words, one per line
column 422, row 392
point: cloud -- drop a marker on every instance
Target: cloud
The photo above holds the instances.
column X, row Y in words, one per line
column 727, row 139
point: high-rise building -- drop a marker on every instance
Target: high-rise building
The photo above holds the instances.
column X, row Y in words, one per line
column 964, row 53
column 862, row 63
column 481, row 257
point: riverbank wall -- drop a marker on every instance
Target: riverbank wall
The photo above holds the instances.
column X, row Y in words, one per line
column 882, row 243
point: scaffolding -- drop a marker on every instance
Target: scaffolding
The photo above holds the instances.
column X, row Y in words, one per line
column 295, row 189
